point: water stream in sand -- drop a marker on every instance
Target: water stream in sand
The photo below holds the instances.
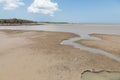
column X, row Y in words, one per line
column 71, row 42
column 82, row 30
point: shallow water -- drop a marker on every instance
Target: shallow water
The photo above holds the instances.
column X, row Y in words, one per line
column 101, row 76
column 82, row 30
column 77, row 29
column 72, row 42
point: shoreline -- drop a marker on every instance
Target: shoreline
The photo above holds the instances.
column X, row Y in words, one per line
column 23, row 24
column 63, row 24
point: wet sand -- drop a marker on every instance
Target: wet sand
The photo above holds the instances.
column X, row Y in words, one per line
column 109, row 43
column 38, row 55
column 101, row 75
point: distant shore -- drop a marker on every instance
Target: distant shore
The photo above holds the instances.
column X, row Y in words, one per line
column 60, row 24
column 20, row 22
column 15, row 24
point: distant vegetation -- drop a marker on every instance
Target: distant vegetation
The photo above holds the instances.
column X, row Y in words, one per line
column 15, row 21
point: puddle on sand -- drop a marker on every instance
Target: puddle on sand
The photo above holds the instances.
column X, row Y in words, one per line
column 102, row 75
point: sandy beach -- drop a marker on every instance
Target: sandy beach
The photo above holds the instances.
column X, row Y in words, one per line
column 38, row 55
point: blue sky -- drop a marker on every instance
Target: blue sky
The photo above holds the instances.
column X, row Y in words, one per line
column 83, row 11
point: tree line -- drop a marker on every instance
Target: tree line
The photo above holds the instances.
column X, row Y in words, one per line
column 14, row 21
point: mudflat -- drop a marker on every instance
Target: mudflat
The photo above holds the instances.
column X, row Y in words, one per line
column 109, row 43
column 38, row 55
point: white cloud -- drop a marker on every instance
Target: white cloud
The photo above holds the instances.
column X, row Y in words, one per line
column 43, row 7
column 11, row 4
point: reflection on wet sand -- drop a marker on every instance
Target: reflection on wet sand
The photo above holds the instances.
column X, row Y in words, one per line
column 101, row 75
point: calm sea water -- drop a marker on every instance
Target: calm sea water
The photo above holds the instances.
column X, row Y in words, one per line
column 77, row 29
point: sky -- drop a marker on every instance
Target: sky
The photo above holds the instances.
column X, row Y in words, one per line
column 76, row 11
